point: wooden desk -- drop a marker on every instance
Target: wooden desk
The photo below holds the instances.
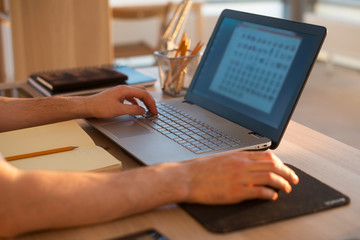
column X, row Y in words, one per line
column 327, row 159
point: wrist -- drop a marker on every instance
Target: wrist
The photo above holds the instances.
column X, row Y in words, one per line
column 81, row 107
column 174, row 176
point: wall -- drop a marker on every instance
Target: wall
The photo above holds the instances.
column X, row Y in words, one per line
column 125, row 32
column 52, row 34
column 342, row 42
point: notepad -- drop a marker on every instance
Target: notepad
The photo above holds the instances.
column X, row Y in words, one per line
column 87, row 157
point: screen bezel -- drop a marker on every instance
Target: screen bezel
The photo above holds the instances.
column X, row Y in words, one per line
column 275, row 134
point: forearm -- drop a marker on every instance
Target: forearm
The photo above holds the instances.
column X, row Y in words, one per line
column 43, row 200
column 21, row 113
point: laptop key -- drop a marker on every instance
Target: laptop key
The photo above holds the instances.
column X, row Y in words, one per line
column 203, row 151
column 196, row 137
column 220, row 147
column 171, row 136
column 185, row 137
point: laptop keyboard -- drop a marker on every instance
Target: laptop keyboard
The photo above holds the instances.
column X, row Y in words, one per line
column 190, row 133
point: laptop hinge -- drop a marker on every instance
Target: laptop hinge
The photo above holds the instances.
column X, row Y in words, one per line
column 187, row 102
column 255, row 134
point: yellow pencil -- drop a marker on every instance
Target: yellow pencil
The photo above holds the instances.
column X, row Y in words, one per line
column 41, row 153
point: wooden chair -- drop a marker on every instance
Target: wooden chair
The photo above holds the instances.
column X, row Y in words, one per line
column 160, row 11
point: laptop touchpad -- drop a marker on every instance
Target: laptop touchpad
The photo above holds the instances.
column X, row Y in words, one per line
column 128, row 128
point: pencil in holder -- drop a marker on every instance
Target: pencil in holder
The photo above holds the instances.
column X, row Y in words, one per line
column 176, row 72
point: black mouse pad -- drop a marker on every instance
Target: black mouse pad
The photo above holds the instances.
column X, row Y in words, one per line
column 309, row 196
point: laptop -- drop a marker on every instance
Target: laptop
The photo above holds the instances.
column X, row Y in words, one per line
column 242, row 95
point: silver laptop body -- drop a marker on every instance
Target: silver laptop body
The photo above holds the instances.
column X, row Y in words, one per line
column 242, row 95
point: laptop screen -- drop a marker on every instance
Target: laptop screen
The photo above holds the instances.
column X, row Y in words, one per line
column 253, row 70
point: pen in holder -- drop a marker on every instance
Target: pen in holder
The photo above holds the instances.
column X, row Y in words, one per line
column 176, row 72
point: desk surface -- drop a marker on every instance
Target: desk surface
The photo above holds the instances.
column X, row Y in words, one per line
column 329, row 160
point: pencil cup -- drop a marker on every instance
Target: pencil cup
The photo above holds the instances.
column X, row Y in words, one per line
column 176, row 73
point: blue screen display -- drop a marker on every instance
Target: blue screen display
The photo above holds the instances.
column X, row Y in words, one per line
column 252, row 72
column 255, row 65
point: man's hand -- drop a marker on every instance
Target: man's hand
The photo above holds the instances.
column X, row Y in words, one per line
column 111, row 103
column 236, row 176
